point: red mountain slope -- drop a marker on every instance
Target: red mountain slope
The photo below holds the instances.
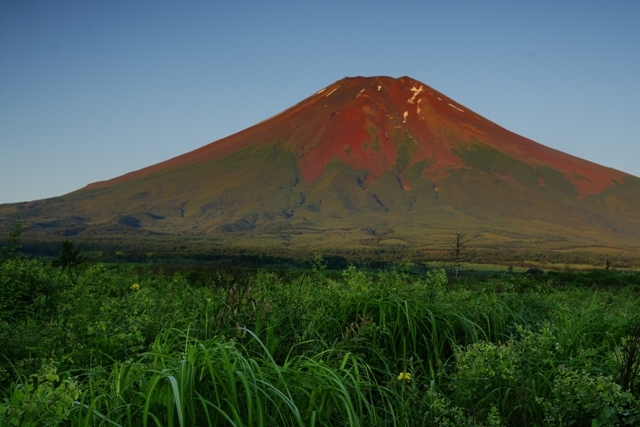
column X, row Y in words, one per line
column 352, row 121
column 362, row 164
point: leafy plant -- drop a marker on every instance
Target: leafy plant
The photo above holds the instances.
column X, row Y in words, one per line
column 43, row 399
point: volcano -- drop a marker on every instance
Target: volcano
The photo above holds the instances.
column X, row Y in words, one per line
column 363, row 164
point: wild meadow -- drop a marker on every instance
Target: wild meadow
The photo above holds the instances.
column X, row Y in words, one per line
column 91, row 345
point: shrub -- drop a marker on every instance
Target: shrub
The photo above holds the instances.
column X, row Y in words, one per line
column 43, row 399
column 577, row 398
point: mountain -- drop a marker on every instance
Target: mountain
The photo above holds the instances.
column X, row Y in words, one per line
column 363, row 164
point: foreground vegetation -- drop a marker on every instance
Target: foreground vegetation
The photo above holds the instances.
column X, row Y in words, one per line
column 91, row 345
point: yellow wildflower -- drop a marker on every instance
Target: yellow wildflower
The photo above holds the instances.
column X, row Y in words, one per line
column 135, row 286
column 404, row 376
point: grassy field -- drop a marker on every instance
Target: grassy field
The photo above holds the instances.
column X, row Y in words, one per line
column 220, row 346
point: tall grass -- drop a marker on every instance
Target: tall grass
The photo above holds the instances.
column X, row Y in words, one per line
column 265, row 349
column 187, row 381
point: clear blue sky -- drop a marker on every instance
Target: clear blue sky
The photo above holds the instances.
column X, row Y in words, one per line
column 90, row 90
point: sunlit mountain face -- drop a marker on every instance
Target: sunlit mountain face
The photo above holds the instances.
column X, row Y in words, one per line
column 363, row 164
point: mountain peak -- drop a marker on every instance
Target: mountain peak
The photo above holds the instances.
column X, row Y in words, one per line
column 374, row 123
column 362, row 159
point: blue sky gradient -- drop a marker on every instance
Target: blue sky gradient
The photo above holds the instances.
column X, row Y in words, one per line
column 95, row 89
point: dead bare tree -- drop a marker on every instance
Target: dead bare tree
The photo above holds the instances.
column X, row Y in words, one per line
column 458, row 250
column 609, row 261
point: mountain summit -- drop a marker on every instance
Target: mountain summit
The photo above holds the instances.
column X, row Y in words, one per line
column 371, row 123
column 362, row 164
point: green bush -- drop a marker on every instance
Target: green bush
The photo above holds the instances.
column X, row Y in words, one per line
column 577, row 398
column 43, row 399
